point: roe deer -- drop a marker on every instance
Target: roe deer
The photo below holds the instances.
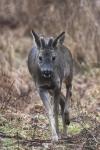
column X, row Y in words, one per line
column 50, row 63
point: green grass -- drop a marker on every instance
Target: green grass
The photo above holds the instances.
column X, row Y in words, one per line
column 74, row 128
column 8, row 144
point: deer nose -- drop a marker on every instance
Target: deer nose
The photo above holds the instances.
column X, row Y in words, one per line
column 47, row 73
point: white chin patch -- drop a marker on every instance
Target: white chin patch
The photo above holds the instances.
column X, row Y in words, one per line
column 46, row 76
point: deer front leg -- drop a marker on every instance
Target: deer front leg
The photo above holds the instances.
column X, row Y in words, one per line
column 45, row 98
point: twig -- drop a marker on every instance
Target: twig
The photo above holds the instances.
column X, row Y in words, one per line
column 18, row 140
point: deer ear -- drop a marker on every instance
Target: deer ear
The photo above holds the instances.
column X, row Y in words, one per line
column 37, row 39
column 59, row 40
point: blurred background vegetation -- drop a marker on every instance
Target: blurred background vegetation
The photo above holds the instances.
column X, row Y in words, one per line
column 80, row 19
column 19, row 101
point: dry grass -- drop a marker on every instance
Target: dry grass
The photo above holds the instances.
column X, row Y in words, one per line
column 79, row 19
column 24, row 124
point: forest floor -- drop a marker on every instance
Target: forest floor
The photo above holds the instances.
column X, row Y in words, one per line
column 23, row 121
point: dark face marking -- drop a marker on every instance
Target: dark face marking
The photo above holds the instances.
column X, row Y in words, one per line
column 46, row 60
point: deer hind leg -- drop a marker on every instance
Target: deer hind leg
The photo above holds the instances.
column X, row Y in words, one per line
column 62, row 105
column 67, row 103
column 66, row 118
column 56, row 109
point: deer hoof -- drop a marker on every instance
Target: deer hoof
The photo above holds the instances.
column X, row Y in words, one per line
column 54, row 138
column 66, row 118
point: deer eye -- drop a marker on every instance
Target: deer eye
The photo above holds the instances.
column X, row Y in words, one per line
column 40, row 58
column 53, row 58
